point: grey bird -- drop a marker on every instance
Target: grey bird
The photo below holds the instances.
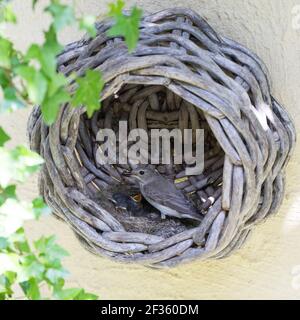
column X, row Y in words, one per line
column 162, row 194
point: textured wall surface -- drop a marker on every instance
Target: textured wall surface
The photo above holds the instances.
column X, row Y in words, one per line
column 268, row 266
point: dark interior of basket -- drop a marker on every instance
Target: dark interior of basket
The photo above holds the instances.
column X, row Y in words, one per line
column 149, row 107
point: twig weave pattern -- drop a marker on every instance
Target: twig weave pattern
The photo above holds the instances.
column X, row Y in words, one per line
column 181, row 75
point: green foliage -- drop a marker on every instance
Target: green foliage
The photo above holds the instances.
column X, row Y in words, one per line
column 21, row 264
column 6, row 13
column 32, row 267
column 62, row 15
column 88, row 90
column 25, row 79
column 17, row 164
column 36, row 70
column 7, row 193
column 35, row 83
column 4, row 137
column 32, row 78
column 5, row 53
column 126, row 26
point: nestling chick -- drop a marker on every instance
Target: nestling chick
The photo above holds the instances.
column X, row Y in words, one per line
column 163, row 195
column 125, row 202
column 122, row 196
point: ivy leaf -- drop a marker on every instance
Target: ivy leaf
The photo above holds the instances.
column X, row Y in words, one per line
column 88, row 91
column 31, row 289
column 34, row 2
column 26, row 162
column 67, row 294
column 74, row 294
column 7, row 14
column 83, row 295
column 126, row 26
column 10, row 101
column 6, row 50
column 4, row 79
column 46, row 54
column 116, row 8
column 19, row 242
column 3, row 137
column 32, row 267
column 40, row 208
column 7, row 279
column 62, row 15
column 87, row 23
column 55, row 274
column 49, row 250
column 3, row 243
column 8, row 193
column 51, row 105
column 36, row 83
column 17, row 164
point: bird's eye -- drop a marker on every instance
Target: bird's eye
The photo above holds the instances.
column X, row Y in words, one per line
column 142, row 172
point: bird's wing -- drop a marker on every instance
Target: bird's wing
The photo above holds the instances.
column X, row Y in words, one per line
column 173, row 199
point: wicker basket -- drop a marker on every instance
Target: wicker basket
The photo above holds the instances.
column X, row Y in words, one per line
column 182, row 75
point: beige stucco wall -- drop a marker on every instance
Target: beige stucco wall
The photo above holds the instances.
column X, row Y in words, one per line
column 264, row 267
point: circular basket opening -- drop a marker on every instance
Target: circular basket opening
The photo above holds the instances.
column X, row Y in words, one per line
column 149, row 108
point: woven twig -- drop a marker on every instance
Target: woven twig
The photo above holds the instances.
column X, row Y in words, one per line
column 181, row 75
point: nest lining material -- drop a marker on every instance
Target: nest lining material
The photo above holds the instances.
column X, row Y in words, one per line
column 182, row 75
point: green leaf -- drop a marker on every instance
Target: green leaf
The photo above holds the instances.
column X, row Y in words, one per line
column 40, row 208
column 11, row 276
column 68, row 294
column 46, row 54
column 10, row 101
column 7, row 14
column 31, row 289
column 51, row 42
column 32, row 268
column 126, row 26
column 116, row 8
column 87, row 23
column 86, row 296
column 7, row 279
column 26, row 157
column 36, row 83
column 4, row 79
column 62, row 15
column 49, row 250
column 3, row 243
column 34, row 2
column 17, row 164
column 8, row 193
column 74, row 294
column 6, row 50
column 4, row 137
column 52, row 104
column 19, row 242
column 57, row 83
column 88, row 91
column 54, row 275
